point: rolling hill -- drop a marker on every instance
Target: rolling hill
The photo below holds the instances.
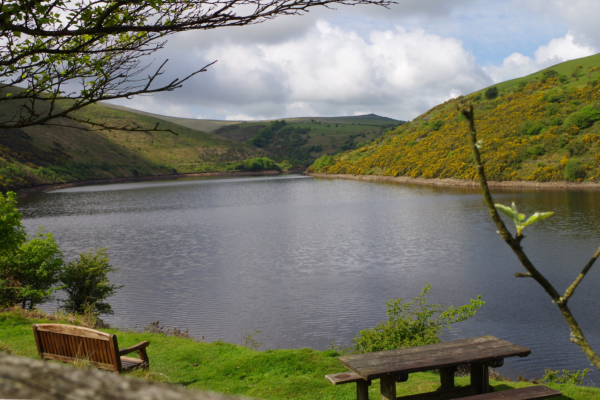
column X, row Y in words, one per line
column 541, row 127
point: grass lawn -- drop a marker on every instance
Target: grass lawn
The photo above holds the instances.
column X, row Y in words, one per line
column 233, row 369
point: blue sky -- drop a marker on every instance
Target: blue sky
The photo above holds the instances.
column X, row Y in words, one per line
column 365, row 59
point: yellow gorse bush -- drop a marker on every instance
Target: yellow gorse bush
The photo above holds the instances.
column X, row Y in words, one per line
column 416, row 150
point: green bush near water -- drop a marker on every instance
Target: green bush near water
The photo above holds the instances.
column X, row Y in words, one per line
column 257, row 164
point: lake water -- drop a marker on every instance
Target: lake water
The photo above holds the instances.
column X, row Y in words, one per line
column 308, row 261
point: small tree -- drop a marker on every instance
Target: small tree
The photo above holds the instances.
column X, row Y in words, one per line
column 86, row 283
column 28, row 270
column 491, row 93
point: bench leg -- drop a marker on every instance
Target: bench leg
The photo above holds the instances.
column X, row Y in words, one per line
column 447, row 378
column 388, row 387
column 362, row 390
column 480, row 378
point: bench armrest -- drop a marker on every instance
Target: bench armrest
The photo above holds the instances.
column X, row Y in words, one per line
column 137, row 347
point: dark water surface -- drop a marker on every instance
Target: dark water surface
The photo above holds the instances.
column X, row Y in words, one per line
column 307, row 261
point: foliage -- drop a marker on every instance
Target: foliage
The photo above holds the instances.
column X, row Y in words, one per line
column 491, row 93
column 570, row 377
column 583, row 118
column 59, row 56
column 322, row 162
column 412, row 324
column 257, row 164
column 512, row 130
column 86, row 283
column 519, row 219
column 12, row 232
column 574, row 171
column 548, row 74
column 436, row 124
column 30, row 273
column 532, row 128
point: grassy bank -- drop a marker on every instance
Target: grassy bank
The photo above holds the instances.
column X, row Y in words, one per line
column 233, row 369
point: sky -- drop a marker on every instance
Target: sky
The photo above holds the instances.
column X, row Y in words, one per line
column 397, row 62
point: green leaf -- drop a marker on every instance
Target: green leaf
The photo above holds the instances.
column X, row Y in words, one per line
column 519, row 219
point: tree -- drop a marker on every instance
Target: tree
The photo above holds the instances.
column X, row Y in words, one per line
column 561, row 301
column 491, row 93
column 28, row 270
column 58, row 56
column 86, row 283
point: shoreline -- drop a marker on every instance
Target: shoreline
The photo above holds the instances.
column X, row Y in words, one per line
column 24, row 192
column 464, row 183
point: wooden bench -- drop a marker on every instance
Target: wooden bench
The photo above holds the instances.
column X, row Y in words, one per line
column 526, row 393
column 70, row 343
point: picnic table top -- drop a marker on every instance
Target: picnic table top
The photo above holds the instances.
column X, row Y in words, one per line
column 433, row 356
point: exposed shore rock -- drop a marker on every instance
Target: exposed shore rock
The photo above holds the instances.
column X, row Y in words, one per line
column 466, row 183
column 24, row 192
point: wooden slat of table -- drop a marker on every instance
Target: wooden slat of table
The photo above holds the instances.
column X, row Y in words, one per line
column 423, row 358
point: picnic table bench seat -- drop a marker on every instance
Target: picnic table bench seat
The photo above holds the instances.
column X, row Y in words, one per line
column 526, row 393
column 69, row 343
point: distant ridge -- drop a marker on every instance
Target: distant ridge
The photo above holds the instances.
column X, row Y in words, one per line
column 210, row 125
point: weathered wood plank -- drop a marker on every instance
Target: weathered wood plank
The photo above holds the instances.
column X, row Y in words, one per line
column 50, row 356
column 456, row 393
column 362, row 390
column 73, row 330
column 528, row 393
column 416, row 362
column 343, row 377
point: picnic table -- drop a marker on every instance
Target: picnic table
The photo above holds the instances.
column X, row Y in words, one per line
column 393, row 366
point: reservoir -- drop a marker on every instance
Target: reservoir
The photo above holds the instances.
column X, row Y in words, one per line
column 311, row 261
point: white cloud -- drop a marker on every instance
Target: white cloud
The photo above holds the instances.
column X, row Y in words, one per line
column 333, row 71
column 556, row 51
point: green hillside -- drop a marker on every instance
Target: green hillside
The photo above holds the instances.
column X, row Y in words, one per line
column 50, row 154
column 302, row 140
column 542, row 127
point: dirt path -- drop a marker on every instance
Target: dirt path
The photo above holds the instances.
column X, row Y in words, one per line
column 24, row 192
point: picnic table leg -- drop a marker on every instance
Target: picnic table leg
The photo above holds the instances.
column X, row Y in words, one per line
column 447, row 377
column 388, row 387
column 362, row 390
column 480, row 378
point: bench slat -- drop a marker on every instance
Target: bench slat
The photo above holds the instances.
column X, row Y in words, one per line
column 527, row 393
column 343, row 377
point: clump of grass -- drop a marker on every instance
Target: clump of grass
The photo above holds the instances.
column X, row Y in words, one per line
column 155, row 327
column 87, row 320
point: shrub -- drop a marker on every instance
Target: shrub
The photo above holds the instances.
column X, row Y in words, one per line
column 491, row 93
column 412, row 324
column 436, row 125
column 29, row 273
column 257, row 164
column 583, row 118
column 12, row 232
column 570, row 377
column 322, row 162
column 563, row 78
column 411, row 143
column 86, row 283
column 576, row 71
column 576, row 148
column 552, row 109
column 548, row 74
column 554, row 97
column 537, row 150
column 555, row 120
column 530, row 128
column 573, row 170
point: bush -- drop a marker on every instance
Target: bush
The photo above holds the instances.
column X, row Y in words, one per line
column 412, row 324
column 552, row 109
column 257, row 164
column 576, row 148
column 491, row 93
column 573, row 170
column 86, row 283
column 554, row 97
column 555, row 120
column 583, row 118
column 29, row 273
column 530, row 128
column 436, row 125
column 548, row 74
column 322, row 162
column 563, row 78
column 537, row 150
column 12, row 232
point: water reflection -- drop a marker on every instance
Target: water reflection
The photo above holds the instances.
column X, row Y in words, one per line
column 308, row 261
